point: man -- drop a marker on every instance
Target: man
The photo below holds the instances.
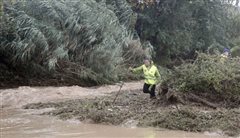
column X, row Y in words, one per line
column 151, row 75
column 225, row 55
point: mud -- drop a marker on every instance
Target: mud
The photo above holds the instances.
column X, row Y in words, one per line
column 134, row 107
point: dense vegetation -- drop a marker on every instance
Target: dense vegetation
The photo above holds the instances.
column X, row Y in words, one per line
column 209, row 80
column 81, row 41
column 177, row 29
column 95, row 41
column 90, row 42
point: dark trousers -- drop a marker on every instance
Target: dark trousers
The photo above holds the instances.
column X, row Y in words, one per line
column 151, row 91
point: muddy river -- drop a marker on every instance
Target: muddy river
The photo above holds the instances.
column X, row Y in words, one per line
column 18, row 123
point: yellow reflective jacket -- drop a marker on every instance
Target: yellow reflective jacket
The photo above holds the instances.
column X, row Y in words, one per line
column 151, row 74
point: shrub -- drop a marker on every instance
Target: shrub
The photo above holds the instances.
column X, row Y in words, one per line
column 207, row 74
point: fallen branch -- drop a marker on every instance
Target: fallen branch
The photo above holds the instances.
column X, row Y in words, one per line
column 172, row 96
column 201, row 100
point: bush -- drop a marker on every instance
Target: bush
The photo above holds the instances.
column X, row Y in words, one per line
column 208, row 76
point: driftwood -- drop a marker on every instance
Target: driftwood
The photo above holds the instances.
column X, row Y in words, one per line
column 196, row 98
column 172, row 96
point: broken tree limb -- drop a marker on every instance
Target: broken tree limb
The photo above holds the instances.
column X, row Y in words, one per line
column 201, row 100
column 172, row 96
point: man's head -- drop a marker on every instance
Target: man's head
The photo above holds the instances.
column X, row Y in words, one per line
column 147, row 61
column 226, row 51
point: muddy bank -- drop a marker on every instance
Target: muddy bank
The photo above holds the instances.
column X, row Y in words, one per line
column 135, row 108
column 10, row 78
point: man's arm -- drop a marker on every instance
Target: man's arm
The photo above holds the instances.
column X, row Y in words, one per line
column 137, row 70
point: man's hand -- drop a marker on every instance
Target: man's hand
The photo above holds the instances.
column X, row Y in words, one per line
column 130, row 69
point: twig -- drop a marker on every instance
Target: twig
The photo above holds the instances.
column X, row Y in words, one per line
column 121, row 85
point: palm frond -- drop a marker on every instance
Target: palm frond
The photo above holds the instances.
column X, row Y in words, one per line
column 85, row 32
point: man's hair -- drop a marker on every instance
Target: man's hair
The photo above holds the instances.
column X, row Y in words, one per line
column 226, row 50
column 147, row 58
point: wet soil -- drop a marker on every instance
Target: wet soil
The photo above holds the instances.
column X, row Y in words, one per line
column 135, row 108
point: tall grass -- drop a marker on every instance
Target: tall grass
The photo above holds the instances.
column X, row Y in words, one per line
column 86, row 33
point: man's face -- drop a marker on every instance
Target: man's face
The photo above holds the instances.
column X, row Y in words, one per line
column 147, row 62
column 226, row 53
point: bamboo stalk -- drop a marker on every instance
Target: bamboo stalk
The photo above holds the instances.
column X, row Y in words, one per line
column 1, row 9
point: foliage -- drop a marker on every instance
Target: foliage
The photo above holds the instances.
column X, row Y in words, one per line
column 124, row 12
column 208, row 74
column 177, row 29
column 105, row 37
column 235, row 51
column 84, row 32
column 1, row 8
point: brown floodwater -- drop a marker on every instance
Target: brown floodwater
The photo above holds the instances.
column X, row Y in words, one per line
column 18, row 123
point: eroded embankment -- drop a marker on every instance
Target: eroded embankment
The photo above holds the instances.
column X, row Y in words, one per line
column 136, row 108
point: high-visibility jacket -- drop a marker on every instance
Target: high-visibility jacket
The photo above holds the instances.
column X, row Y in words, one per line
column 151, row 74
